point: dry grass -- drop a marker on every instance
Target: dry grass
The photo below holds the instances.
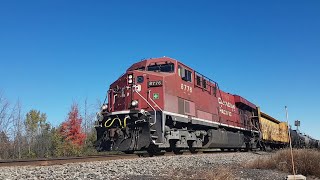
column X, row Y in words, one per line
column 219, row 173
column 307, row 162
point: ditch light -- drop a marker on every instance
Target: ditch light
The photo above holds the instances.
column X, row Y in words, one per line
column 130, row 79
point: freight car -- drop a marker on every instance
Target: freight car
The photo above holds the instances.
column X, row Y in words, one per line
column 300, row 140
column 162, row 104
column 274, row 133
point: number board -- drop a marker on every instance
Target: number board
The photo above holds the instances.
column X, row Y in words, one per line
column 155, row 83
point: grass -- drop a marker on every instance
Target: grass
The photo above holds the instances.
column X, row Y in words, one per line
column 306, row 161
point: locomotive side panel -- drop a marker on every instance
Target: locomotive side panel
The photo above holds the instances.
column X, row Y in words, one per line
column 228, row 112
column 184, row 98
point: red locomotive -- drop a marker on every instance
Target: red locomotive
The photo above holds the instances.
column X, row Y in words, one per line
column 162, row 104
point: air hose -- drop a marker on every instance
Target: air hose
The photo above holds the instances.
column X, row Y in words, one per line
column 117, row 118
column 107, row 126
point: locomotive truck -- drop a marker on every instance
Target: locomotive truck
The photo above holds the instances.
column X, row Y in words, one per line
column 162, row 104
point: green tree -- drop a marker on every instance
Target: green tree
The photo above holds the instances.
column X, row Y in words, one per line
column 35, row 123
column 57, row 143
column 90, row 142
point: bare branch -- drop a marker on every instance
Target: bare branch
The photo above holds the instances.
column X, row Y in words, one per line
column 5, row 115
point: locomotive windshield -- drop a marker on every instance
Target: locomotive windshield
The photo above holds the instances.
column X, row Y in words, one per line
column 140, row 68
column 161, row 67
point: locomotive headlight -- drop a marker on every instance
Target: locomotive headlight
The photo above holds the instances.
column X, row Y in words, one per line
column 130, row 76
column 134, row 103
column 130, row 81
column 105, row 107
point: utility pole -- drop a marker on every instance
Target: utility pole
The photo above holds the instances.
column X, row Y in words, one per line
column 290, row 143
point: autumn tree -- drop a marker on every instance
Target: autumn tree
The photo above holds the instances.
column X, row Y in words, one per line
column 71, row 130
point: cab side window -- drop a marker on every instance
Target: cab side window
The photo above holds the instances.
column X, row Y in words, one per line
column 214, row 89
column 198, row 78
column 185, row 74
column 204, row 83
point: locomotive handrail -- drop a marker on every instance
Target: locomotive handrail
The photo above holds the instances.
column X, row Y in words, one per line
column 154, row 102
column 210, row 80
column 155, row 116
column 155, row 112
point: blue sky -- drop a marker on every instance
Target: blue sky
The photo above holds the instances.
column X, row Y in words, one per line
column 55, row 52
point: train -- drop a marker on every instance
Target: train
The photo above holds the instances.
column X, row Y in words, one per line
column 300, row 140
column 161, row 104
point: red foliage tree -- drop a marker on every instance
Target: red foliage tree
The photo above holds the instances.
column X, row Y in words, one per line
column 71, row 129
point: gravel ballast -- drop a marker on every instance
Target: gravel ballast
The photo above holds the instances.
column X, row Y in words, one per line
column 162, row 167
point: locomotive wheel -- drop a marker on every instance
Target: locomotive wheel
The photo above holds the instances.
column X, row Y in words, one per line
column 193, row 150
column 177, row 151
column 168, row 150
column 153, row 150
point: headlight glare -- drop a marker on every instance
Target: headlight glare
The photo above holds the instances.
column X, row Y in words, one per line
column 105, row 107
column 134, row 103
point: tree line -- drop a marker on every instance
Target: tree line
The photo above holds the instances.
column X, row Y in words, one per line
column 30, row 135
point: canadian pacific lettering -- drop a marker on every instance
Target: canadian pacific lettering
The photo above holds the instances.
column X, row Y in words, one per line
column 226, row 104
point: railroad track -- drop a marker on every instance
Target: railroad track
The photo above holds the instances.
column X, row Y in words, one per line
column 66, row 160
